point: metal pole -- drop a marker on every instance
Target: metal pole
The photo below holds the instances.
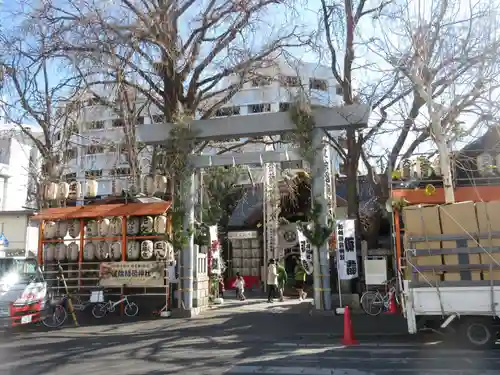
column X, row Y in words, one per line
column 188, row 253
column 320, row 256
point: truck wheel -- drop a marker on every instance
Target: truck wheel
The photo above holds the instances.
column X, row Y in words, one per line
column 478, row 332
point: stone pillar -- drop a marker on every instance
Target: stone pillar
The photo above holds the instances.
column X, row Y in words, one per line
column 319, row 183
column 188, row 253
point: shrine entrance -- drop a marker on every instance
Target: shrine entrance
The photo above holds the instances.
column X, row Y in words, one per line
column 265, row 125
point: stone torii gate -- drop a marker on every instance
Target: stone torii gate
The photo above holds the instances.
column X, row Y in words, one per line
column 268, row 124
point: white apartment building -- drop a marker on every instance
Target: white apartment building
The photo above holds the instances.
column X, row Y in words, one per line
column 96, row 152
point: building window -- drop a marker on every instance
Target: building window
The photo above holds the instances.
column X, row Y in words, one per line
column 227, row 111
column 338, row 90
column 156, row 119
column 291, row 81
column 57, row 136
column 95, row 149
column 140, row 120
column 259, row 108
column 318, row 84
column 284, row 107
column 71, row 153
column 69, row 177
column 261, row 81
column 118, row 123
column 93, row 173
column 95, row 125
column 120, row 172
column 92, row 101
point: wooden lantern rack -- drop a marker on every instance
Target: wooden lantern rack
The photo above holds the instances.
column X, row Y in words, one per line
column 95, row 212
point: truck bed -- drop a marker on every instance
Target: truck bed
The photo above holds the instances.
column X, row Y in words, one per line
column 470, row 300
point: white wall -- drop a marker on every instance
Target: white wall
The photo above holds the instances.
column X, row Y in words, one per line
column 17, row 185
column 15, row 229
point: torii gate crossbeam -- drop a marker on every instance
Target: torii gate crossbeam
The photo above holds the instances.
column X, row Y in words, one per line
column 339, row 118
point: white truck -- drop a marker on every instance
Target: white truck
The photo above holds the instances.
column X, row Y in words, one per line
column 452, row 279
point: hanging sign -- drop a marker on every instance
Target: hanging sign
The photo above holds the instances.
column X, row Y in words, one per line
column 347, row 261
column 132, row 274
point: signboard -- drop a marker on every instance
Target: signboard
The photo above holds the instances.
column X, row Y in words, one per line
column 132, row 274
column 347, row 260
column 243, row 235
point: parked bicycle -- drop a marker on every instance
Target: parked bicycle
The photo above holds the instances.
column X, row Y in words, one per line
column 102, row 308
column 373, row 302
column 58, row 313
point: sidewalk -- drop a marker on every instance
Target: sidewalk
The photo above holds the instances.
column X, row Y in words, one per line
column 300, row 321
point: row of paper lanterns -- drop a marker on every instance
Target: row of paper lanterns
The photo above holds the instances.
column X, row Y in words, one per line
column 63, row 190
column 106, row 227
column 105, row 251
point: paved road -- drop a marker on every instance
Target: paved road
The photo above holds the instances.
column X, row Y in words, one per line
column 230, row 343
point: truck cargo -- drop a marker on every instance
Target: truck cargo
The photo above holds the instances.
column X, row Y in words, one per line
column 451, row 268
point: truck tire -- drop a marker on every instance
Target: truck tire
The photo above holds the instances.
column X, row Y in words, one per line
column 478, row 332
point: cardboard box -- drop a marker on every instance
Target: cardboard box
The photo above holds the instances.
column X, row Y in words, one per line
column 488, row 219
column 421, row 221
column 459, row 219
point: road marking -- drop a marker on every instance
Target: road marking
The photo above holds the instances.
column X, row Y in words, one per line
column 281, row 370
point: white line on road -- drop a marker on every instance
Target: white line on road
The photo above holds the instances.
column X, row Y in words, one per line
column 262, row 370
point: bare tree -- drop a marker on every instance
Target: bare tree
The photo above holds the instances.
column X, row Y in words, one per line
column 448, row 55
column 33, row 98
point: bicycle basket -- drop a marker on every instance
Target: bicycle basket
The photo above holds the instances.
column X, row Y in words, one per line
column 96, row 296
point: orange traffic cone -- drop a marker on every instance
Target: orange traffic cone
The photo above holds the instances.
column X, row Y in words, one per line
column 392, row 306
column 348, row 331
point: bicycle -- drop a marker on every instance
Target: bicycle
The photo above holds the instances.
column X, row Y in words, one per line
column 374, row 302
column 58, row 314
column 100, row 309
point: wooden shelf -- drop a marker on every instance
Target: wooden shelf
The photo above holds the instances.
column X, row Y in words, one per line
column 116, row 238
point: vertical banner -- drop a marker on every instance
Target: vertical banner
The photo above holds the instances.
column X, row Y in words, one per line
column 347, row 260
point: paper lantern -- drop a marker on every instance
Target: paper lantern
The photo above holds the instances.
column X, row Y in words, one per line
column 91, row 190
column 133, row 225
column 75, row 190
column 133, row 250
column 89, row 251
column 73, row 251
column 160, row 224
column 164, row 250
column 61, row 229
column 116, row 250
column 147, row 250
column 146, row 224
column 484, row 163
column 91, row 229
column 115, row 226
column 50, row 191
column 116, row 188
column 61, row 250
column 102, row 251
column 63, row 190
column 50, row 252
column 149, row 185
column 50, row 230
column 103, row 227
column 160, row 184
column 73, row 228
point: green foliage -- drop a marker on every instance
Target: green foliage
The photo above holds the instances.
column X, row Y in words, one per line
column 301, row 115
column 179, row 238
column 219, row 193
column 316, row 232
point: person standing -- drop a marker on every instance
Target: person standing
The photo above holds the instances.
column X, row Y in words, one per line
column 239, row 284
column 282, row 278
column 272, row 280
column 300, row 279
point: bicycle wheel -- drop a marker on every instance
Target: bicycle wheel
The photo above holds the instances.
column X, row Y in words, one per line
column 56, row 318
column 131, row 309
column 100, row 310
column 372, row 303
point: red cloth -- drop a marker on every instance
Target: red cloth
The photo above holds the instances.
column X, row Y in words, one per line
column 250, row 281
